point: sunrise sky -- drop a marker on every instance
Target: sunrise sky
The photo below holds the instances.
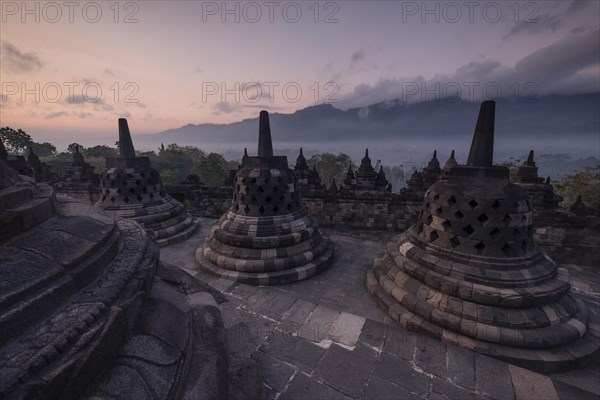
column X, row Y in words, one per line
column 175, row 58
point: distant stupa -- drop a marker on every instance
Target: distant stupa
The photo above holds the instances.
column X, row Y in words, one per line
column 131, row 188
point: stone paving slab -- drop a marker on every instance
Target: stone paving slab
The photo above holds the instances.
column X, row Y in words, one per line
column 325, row 338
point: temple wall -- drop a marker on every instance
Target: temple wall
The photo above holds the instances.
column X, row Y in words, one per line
column 569, row 239
column 377, row 214
column 564, row 237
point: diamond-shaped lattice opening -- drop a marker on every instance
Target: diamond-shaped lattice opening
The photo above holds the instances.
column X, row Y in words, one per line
column 236, row 208
column 437, row 196
column 247, row 209
column 468, row 229
column 253, row 199
column 119, row 191
column 496, row 205
column 483, row 218
column 447, row 225
column 138, row 182
column 112, row 199
column 495, row 233
column 268, row 199
column 274, row 189
column 281, row 198
column 267, row 180
column 517, row 206
column 242, row 198
column 289, row 207
column 131, row 191
column 480, row 247
column 139, row 198
column 151, row 195
column 523, row 245
column 459, row 214
column 427, row 206
column 142, row 174
column 433, row 236
column 523, row 219
column 429, row 219
column 473, row 203
column 253, row 180
column 261, row 210
column 275, row 209
column 506, row 249
column 439, row 211
column 145, row 189
column 260, row 189
column 455, row 242
column 507, row 219
column 112, row 183
column 451, row 200
column 420, row 229
column 124, row 183
column 126, row 199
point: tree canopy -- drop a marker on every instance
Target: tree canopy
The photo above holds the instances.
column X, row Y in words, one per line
column 331, row 166
column 584, row 182
column 15, row 141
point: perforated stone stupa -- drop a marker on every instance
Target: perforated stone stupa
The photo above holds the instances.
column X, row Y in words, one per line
column 267, row 235
column 469, row 273
column 131, row 188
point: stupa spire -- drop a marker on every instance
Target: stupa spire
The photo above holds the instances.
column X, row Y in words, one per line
column 482, row 147
column 530, row 158
column 265, row 145
column 125, row 143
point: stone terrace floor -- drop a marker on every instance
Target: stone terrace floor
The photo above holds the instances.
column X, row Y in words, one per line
column 326, row 338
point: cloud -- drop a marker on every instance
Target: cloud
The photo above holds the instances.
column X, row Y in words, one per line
column 99, row 105
column 567, row 66
column 531, row 21
column 13, row 60
column 56, row 115
column 561, row 59
column 83, row 115
column 225, row 108
column 357, row 56
column 109, row 72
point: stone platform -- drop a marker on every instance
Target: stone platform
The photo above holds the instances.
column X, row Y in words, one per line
column 326, row 338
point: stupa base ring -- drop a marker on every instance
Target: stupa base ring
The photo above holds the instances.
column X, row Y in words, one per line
column 283, row 276
column 568, row 357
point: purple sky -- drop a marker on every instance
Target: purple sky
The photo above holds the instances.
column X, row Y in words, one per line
column 176, row 58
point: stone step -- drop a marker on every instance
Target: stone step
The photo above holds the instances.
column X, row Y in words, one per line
column 51, row 280
column 24, row 217
column 175, row 220
column 174, row 229
column 15, row 195
column 180, row 236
